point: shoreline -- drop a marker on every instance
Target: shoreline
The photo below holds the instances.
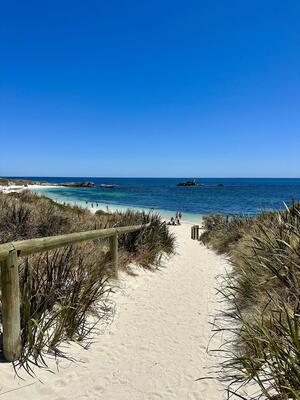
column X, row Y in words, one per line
column 20, row 188
column 237, row 196
column 93, row 206
column 110, row 207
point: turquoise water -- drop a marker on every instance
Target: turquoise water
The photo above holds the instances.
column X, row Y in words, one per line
column 238, row 195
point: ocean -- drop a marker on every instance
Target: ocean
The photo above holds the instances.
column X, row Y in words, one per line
column 236, row 196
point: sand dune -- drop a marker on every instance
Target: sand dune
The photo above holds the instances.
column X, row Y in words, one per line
column 156, row 346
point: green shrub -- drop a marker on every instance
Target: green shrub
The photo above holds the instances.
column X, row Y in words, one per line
column 263, row 294
column 64, row 293
column 222, row 232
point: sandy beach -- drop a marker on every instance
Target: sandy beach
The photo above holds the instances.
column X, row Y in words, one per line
column 156, row 346
column 20, row 188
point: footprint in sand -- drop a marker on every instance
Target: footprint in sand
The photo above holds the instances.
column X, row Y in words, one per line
column 201, row 391
column 154, row 396
column 197, row 396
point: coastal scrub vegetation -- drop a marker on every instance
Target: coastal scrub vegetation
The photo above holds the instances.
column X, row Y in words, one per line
column 66, row 292
column 262, row 293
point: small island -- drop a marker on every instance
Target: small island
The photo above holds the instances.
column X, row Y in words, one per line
column 189, row 183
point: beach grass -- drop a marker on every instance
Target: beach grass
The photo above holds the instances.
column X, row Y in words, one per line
column 262, row 294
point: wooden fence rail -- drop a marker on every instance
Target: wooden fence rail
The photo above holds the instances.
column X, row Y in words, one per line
column 9, row 265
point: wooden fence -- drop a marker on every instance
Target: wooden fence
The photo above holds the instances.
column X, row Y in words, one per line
column 9, row 265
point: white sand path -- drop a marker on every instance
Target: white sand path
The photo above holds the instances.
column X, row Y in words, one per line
column 156, row 346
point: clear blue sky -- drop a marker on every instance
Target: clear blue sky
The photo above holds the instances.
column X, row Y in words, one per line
column 150, row 88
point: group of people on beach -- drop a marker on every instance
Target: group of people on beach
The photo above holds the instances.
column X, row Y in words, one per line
column 175, row 220
column 92, row 204
column 96, row 205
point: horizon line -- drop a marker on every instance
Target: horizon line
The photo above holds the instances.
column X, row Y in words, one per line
column 151, row 177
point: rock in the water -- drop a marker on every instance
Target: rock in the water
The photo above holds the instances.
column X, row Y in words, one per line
column 78, row 184
column 189, row 183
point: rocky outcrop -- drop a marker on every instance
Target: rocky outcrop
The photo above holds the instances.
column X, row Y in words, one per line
column 78, row 184
column 189, row 183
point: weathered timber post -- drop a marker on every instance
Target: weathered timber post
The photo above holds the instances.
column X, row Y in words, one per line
column 114, row 254
column 195, row 232
column 11, row 307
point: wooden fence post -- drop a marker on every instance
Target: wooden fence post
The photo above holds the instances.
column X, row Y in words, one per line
column 193, row 232
column 11, row 307
column 114, row 254
column 197, row 232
